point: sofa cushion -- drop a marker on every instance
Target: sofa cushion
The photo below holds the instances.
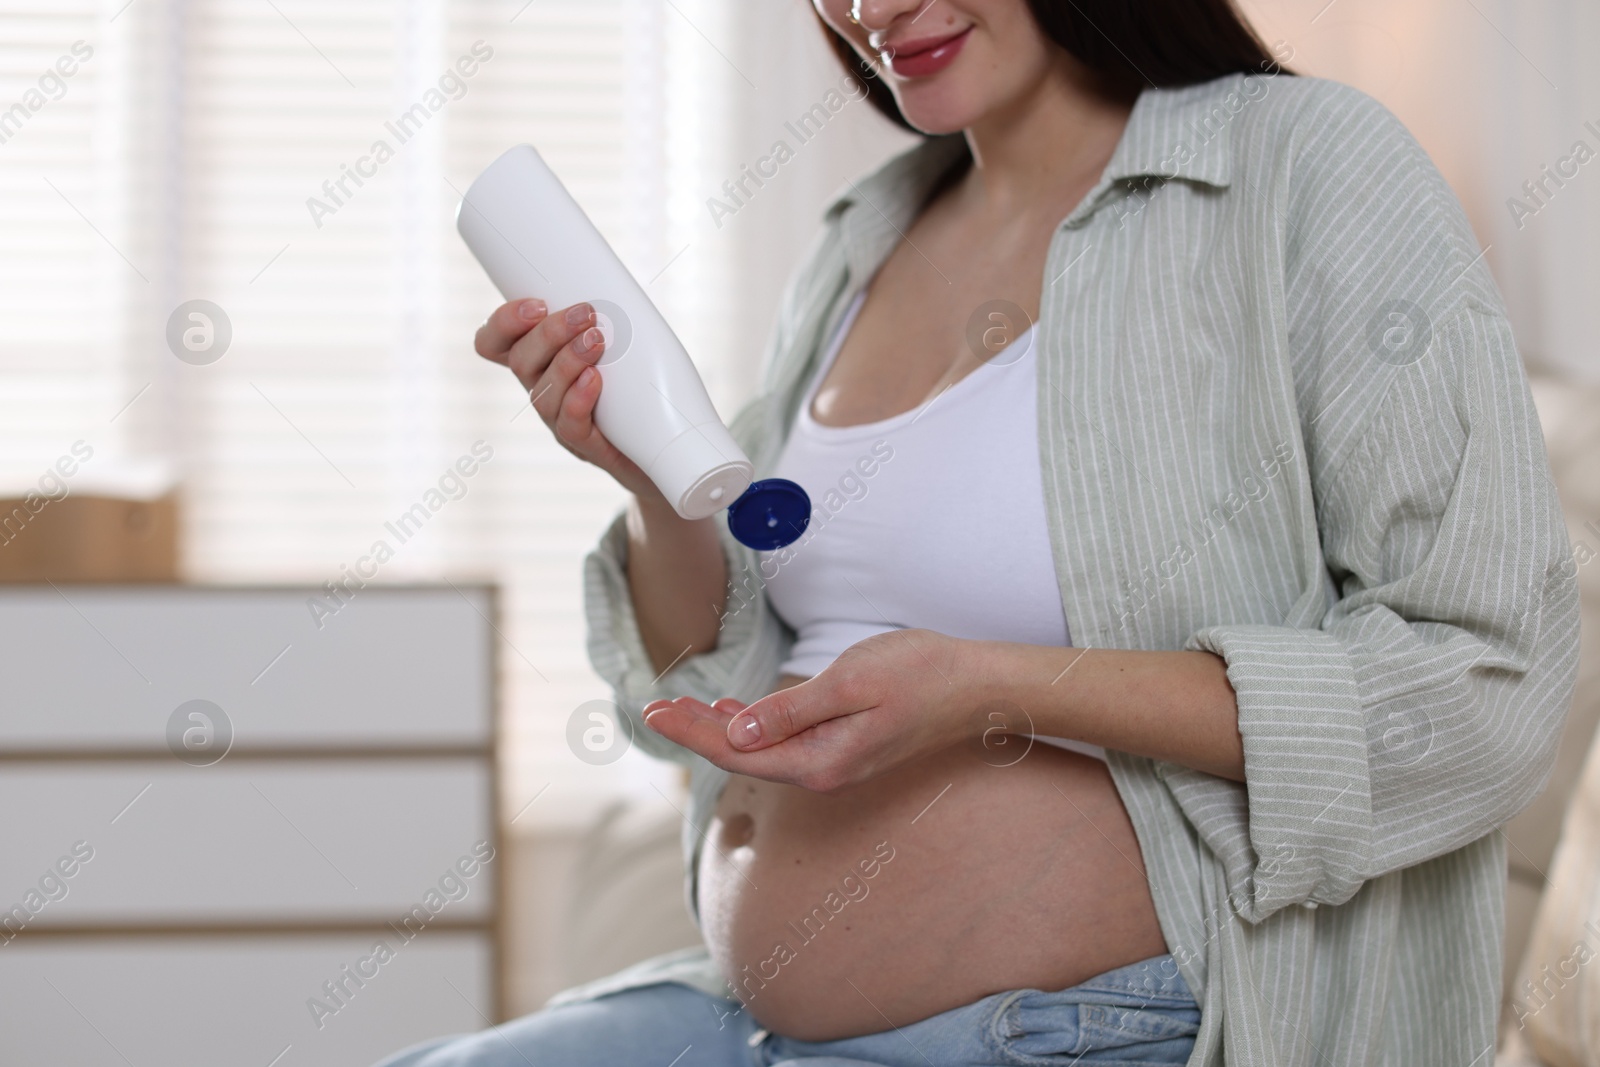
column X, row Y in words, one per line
column 1553, row 1002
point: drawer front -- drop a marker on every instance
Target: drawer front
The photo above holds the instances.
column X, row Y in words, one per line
column 244, row 841
column 98, row 667
column 199, row 1002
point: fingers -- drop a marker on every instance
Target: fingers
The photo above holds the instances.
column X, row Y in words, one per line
column 779, row 716
column 812, row 760
column 532, row 354
column 553, row 355
column 726, row 707
column 507, row 325
column 696, row 726
column 572, row 418
column 702, row 729
column 525, row 336
column 574, row 422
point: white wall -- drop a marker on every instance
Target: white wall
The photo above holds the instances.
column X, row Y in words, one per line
column 1494, row 90
column 780, row 49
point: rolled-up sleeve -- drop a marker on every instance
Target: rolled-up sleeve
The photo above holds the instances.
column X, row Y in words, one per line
column 1422, row 709
column 1424, row 712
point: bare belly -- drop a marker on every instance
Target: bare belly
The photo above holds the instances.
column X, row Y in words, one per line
column 922, row 890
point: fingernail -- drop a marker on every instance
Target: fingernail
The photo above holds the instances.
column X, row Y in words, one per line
column 578, row 314
column 589, row 339
column 531, row 309
column 744, row 731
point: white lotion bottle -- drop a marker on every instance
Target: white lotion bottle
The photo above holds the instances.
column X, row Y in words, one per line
column 534, row 240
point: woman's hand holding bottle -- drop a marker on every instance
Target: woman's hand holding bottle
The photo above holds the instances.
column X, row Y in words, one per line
column 675, row 566
column 554, row 357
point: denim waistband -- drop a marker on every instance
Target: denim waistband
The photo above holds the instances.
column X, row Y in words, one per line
column 1142, row 1013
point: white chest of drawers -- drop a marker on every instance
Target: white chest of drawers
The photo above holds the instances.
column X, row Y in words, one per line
column 229, row 834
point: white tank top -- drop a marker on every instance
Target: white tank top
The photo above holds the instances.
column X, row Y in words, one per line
column 933, row 518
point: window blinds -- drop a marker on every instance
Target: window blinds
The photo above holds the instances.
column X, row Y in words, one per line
column 62, row 279
column 296, row 164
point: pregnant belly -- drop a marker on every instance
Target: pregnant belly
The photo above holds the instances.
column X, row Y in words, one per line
column 922, row 890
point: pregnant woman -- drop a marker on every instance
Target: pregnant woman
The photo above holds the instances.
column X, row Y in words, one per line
column 1184, row 607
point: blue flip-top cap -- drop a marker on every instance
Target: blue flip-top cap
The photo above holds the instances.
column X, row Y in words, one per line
column 770, row 514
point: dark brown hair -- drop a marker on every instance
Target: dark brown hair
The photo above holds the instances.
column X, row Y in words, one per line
column 1130, row 44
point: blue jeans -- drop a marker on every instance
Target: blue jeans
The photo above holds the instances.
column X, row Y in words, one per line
column 1139, row 1014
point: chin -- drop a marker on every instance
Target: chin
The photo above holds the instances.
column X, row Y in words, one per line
column 971, row 89
column 941, row 118
column 939, row 106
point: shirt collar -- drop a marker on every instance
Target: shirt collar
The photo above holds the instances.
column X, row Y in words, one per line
column 1182, row 133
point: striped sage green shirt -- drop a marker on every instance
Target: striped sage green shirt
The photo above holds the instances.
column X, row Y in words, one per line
column 1281, row 418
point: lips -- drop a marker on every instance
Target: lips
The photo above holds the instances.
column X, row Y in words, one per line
column 922, row 57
